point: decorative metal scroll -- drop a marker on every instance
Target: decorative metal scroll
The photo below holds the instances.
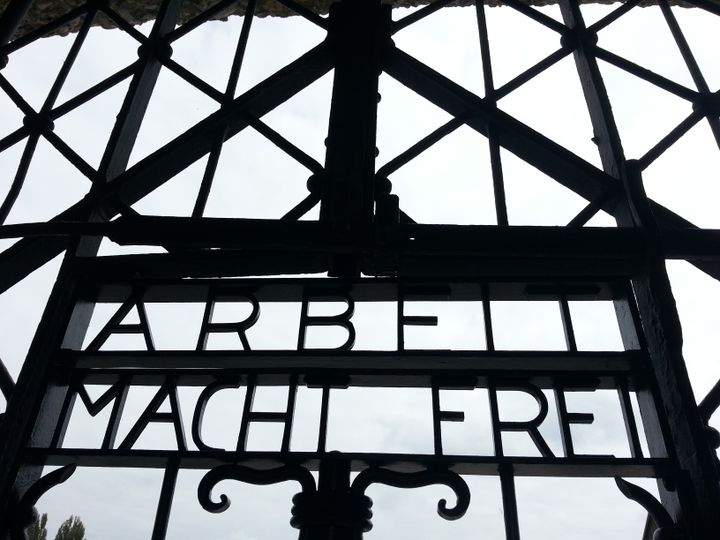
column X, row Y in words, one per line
column 454, row 481
column 24, row 512
column 665, row 528
column 251, row 476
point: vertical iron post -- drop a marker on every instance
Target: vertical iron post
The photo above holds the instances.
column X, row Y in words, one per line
column 359, row 31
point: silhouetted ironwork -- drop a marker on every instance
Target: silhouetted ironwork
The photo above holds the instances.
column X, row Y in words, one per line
column 372, row 251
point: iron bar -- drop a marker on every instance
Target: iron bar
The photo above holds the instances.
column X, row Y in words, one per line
column 568, row 330
column 302, row 208
column 645, row 74
column 537, row 16
column 668, row 140
column 324, row 413
column 239, row 56
column 509, row 499
column 629, row 420
column 529, row 145
column 159, row 167
column 230, row 89
column 579, row 467
column 167, row 492
column 43, row 125
column 691, row 64
column 15, row 96
column 283, row 144
column 93, row 92
column 360, row 31
column 21, row 41
column 523, row 241
column 16, row 186
column 198, row 20
column 68, row 62
column 419, row 147
column 710, row 402
column 7, row 384
column 530, row 73
column 208, row 176
column 192, row 79
column 14, row 138
column 305, row 13
column 613, row 16
column 706, row 5
column 493, row 146
column 123, row 24
column 419, row 14
column 12, row 16
column 587, row 213
column 73, row 157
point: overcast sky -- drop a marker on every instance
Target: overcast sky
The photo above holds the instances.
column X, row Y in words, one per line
column 450, row 183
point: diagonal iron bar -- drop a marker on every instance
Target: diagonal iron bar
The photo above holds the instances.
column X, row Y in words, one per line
column 159, row 167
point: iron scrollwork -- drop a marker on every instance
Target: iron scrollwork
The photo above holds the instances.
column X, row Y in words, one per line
column 262, row 477
column 379, row 475
column 25, row 513
column 666, row 529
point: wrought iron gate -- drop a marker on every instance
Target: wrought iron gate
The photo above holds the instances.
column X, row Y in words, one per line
column 371, row 251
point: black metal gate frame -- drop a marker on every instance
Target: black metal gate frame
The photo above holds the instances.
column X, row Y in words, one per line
column 361, row 230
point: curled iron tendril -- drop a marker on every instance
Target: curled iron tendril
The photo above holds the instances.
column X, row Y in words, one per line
column 666, row 528
column 25, row 513
column 262, row 477
column 378, row 475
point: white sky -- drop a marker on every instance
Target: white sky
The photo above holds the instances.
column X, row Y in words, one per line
column 450, row 183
